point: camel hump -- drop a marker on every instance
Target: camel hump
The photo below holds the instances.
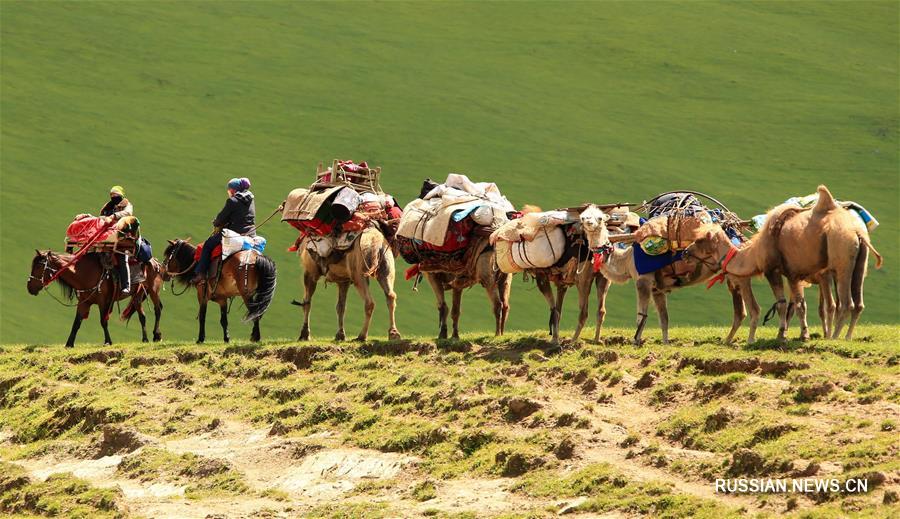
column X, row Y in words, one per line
column 826, row 201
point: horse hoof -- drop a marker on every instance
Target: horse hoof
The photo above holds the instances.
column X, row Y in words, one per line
column 145, row 340
column 70, row 345
column 338, row 337
column 361, row 338
column 455, row 336
column 394, row 335
column 157, row 337
column 200, row 341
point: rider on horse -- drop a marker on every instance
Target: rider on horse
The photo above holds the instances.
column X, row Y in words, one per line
column 120, row 210
column 238, row 215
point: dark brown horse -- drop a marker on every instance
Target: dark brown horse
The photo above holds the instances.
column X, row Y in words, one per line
column 92, row 284
column 252, row 279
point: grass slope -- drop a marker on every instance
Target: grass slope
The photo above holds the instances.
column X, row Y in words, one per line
column 752, row 102
column 633, row 430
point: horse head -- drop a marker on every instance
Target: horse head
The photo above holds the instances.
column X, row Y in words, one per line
column 178, row 259
column 39, row 271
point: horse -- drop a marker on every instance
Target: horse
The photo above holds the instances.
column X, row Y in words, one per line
column 241, row 275
column 371, row 256
column 93, row 284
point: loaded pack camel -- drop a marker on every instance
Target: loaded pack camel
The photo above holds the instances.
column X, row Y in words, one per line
column 497, row 284
column 370, row 256
column 801, row 244
column 616, row 265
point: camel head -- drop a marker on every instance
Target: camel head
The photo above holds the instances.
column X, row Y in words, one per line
column 593, row 221
column 711, row 242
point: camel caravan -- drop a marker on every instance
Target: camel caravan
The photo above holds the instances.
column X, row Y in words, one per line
column 459, row 233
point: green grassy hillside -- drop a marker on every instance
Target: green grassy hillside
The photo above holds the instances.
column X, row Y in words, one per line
column 557, row 103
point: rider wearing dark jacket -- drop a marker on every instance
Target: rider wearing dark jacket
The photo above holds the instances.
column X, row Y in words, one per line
column 238, row 215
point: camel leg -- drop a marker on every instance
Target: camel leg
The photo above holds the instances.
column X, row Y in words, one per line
column 341, row 307
column 827, row 304
column 455, row 311
column 845, row 301
column 387, row 285
column 143, row 320
column 494, row 296
column 438, row 287
column 602, row 290
column 662, row 310
column 76, row 324
column 644, row 287
column 737, row 303
column 223, row 319
column 362, row 287
column 309, row 288
column 504, row 287
column 751, row 306
column 777, row 285
column 800, row 304
column 856, row 289
column 543, row 284
column 584, row 298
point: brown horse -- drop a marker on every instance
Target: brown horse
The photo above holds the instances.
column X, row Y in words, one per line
column 370, row 256
column 241, row 275
column 496, row 283
column 92, row 284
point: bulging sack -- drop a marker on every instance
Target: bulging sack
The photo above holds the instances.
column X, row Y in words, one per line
column 542, row 252
column 233, row 242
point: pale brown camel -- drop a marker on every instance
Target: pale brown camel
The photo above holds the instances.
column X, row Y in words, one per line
column 369, row 257
column 617, row 266
column 497, row 284
column 801, row 244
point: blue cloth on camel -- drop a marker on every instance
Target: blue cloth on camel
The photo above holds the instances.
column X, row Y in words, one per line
column 645, row 263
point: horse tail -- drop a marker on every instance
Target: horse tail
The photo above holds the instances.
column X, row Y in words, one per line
column 265, row 289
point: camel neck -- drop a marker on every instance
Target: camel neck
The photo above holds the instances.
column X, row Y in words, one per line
column 743, row 263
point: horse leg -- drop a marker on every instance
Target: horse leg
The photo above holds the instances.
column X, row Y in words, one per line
column 157, row 314
column 455, row 312
column 201, row 316
column 309, row 288
column 777, row 285
column 76, row 324
column 602, row 290
column 543, row 284
column 644, row 287
column 341, row 307
column 387, row 286
column 362, row 287
column 662, row 310
column 438, row 287
column 104, row 322
column 799, row 301
column 223, row 319
column 737, row 303
column 143, row 319
column 255, row 335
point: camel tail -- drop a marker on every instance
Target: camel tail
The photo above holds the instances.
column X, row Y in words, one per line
column 826, row 201
column 865, row 241
column 265, row 289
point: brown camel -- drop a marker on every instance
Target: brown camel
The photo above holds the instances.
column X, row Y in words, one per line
column 88, row 281
column 617, row 266
column 801, row 244
column 497, row 284
column 370, row 256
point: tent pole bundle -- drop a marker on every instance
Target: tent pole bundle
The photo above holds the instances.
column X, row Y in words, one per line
column 366, row 180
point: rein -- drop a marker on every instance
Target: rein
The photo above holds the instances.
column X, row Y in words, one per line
column 722, row 266
column 55, row 273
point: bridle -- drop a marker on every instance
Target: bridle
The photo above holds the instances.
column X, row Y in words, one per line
column 44, row 270
column 169, row 258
